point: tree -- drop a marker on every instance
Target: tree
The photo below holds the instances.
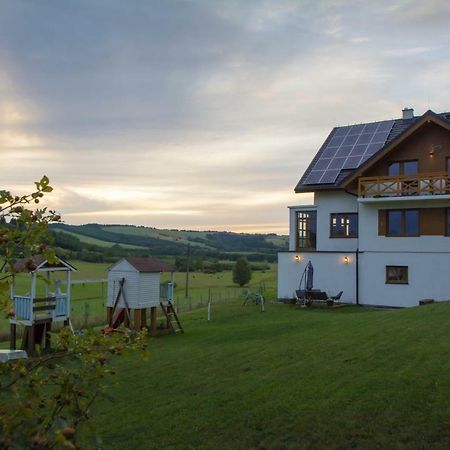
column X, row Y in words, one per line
column 46, row 400
column 242, row 272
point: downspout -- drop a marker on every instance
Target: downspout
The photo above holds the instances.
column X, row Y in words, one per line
column 357, row 276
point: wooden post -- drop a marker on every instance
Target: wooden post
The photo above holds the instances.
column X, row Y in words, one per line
column 109, row 314
column 31, row 333
column 153, row 319
column 48, row 337
column 143, row 318
column 13, row 336
column 137, row 321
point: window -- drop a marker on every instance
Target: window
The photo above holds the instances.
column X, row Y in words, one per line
column 402, row 222
column 396, row 274
column 306, row 230
column 344, row 225
column 448, row 164
column 403, row 168
column 448, row 222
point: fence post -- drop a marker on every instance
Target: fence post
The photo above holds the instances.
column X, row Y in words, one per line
column 209, row 304
column 86, row 313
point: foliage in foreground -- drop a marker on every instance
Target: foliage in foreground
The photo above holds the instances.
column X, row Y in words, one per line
column 45, row 400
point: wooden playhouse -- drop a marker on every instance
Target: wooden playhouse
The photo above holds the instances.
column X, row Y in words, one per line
column 134, row 286
column 37, row 308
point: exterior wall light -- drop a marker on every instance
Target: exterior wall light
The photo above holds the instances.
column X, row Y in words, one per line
column 297, row 258
column 347, row 260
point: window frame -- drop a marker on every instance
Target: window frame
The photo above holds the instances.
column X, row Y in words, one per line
column 346, row 214
column 403, row 222
column 313, row 240
column 402, row 167
column 447, row 221
column 388, row 281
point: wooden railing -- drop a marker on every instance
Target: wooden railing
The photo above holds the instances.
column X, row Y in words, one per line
column 436, row 183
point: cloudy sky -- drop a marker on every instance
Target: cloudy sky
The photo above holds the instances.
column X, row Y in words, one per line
column 202, row 114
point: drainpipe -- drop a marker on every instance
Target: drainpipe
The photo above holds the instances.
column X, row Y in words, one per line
column 357, row 275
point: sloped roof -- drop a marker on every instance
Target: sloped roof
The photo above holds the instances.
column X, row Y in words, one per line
column 39, row 262
column 142, row 264
column 399, row 127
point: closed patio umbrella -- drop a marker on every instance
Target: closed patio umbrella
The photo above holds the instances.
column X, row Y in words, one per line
column 309, row 276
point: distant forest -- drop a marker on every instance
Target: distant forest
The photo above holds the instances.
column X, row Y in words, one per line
column 209, row 250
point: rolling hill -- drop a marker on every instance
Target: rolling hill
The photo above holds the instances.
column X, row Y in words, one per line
column 97, row 242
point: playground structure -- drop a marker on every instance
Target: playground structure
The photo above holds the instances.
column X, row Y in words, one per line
column 37, row 313
column 134, row 286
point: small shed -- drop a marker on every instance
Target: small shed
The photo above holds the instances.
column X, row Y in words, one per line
column 142, row 287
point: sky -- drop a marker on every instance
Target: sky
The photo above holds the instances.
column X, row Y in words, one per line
column 202, row 114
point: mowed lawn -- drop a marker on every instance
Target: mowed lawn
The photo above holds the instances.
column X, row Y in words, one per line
column 286, row 379
column 88, row 299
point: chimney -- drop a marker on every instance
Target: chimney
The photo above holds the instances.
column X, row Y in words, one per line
column 408, row 113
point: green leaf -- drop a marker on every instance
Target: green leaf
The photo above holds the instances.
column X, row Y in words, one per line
column 44, row 181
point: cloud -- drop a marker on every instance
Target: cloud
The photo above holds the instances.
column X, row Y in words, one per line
column 201, row 114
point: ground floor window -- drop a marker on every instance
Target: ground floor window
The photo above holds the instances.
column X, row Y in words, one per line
column 396, row 274
column 344, row 225
column 306, row 230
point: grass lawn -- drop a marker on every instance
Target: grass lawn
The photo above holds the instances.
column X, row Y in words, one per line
column 286, row 379
column 89, row 298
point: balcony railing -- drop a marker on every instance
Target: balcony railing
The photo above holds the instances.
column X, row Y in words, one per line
column 436, row 183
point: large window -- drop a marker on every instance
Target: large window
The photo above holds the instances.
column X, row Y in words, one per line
column 403, row 222
column 396, row 274
column 344, row 225
column 403, row 168
column 306, row 230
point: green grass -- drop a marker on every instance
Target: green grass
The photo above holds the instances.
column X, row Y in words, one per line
column 287, row 379
column 94, row 241
column 89, row 298
column 166, row 235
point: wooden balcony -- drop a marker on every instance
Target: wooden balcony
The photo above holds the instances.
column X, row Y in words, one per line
column 436, row 183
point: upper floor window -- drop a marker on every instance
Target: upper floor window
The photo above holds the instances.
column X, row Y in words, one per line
column 403, row 222
column 403, row 168
column 344, row 225
column 306, row 230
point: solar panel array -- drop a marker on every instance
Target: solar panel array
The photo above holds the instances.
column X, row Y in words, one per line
column 347, row 148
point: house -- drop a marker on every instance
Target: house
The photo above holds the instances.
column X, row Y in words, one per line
column 379, row 226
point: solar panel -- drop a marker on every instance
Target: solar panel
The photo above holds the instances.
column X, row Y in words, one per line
column 347, row 148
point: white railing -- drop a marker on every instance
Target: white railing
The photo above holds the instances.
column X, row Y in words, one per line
column 24, row 307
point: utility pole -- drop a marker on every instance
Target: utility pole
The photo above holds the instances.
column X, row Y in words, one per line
column 186, row 290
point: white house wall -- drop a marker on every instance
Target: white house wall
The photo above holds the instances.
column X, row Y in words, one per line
column 149, row 285
column 331, row 274
column 325, row 203
column 428, row 277
column 329, row 202
column 370, row 241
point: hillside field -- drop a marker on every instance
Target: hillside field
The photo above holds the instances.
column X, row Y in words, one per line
column 345, row 378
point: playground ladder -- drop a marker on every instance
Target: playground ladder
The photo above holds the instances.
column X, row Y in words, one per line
column 172, row 318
